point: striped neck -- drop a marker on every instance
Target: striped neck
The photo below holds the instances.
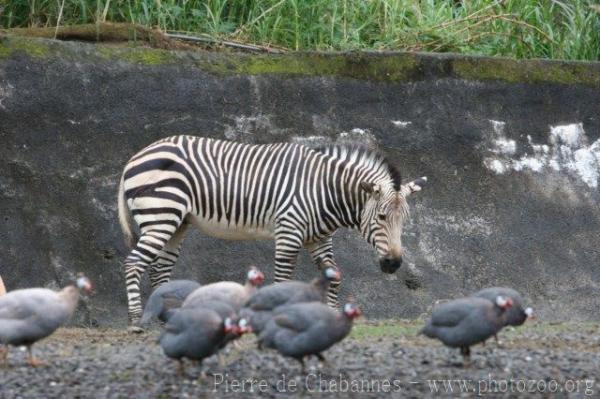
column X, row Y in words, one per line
column 352, row 167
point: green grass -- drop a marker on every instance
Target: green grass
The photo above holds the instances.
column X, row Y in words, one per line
column 565, row 29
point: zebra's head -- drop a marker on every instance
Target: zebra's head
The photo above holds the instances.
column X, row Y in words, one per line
column 383, row 218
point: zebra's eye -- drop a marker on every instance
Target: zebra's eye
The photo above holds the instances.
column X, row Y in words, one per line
column 381, row 217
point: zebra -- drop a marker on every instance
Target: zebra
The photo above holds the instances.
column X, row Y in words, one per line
column 296, row 194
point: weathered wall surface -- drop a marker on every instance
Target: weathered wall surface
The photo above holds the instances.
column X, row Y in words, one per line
column 511, row 150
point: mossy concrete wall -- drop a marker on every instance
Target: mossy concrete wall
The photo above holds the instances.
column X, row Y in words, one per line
column 510, row 148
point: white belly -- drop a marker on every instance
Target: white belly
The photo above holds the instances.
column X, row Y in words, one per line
column 229, row 231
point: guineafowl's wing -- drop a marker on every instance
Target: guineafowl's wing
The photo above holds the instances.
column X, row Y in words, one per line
column 290, row 322
column 21, row 304
column 225, row 291
column 272, row 296
column 12, row 309
column 298, row 317
column 177, row 322
column 172, row 300
column 317, row 337
column 450, row 314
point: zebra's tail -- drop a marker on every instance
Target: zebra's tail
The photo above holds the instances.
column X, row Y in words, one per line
column 131, row 237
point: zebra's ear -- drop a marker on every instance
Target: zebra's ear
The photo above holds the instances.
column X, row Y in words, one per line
column 370, row 188
column 415, row 185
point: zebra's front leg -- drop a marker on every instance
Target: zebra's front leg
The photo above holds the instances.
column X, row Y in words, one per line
column 321, row 252
column 287, row 247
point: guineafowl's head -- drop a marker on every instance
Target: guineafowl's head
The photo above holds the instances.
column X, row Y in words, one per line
column 255, row 276
column 83, row 284
column 229, row 326
column 243, row 326
column 352, row 310
column 332, row 273
column 504, row 303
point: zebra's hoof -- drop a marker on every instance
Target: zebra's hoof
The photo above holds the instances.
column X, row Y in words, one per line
column 135, row 330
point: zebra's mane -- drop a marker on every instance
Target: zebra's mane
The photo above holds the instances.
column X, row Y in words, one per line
column 364, row 155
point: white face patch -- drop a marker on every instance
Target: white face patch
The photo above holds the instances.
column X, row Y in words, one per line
column 83, row 283
column 501, row 301
column 331, row 273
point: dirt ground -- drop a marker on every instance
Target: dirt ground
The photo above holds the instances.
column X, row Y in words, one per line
column 378, row 359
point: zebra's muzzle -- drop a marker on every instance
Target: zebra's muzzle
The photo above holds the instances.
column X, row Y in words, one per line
column 390, row 265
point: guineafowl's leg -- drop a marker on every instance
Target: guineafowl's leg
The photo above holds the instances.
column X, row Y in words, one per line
column 466, row 353
column 302, row 365
column 32, row 361
column 3, row 354
column 321, row 253
column 161, row 267
column 198, row 364
column 499, row 343
column 323, row 361
column 180, row 367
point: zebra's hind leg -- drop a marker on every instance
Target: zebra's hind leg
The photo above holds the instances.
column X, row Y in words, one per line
column 160, row 269
column 146, row 250
column 332, row 294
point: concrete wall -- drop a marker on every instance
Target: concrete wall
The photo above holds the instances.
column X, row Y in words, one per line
column 511, row 150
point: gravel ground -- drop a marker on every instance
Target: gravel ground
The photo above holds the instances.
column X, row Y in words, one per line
column 548, row 360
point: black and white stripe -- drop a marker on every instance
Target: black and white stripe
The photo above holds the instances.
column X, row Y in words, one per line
column 289, row 192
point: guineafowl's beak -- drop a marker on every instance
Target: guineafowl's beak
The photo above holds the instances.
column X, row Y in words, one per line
column 88, row 288
column 245, row 330
column 259, row 279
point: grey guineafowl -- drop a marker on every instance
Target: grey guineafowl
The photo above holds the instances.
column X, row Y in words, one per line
column 225, row 311
column 165, row 298
column 464, row 322
column 517, row 314
column 260, row 306
column 28, row 315
column 234, row 294
column 304, row 329
column 197, row 333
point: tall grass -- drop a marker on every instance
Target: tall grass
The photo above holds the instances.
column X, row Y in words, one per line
column 565, row 29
